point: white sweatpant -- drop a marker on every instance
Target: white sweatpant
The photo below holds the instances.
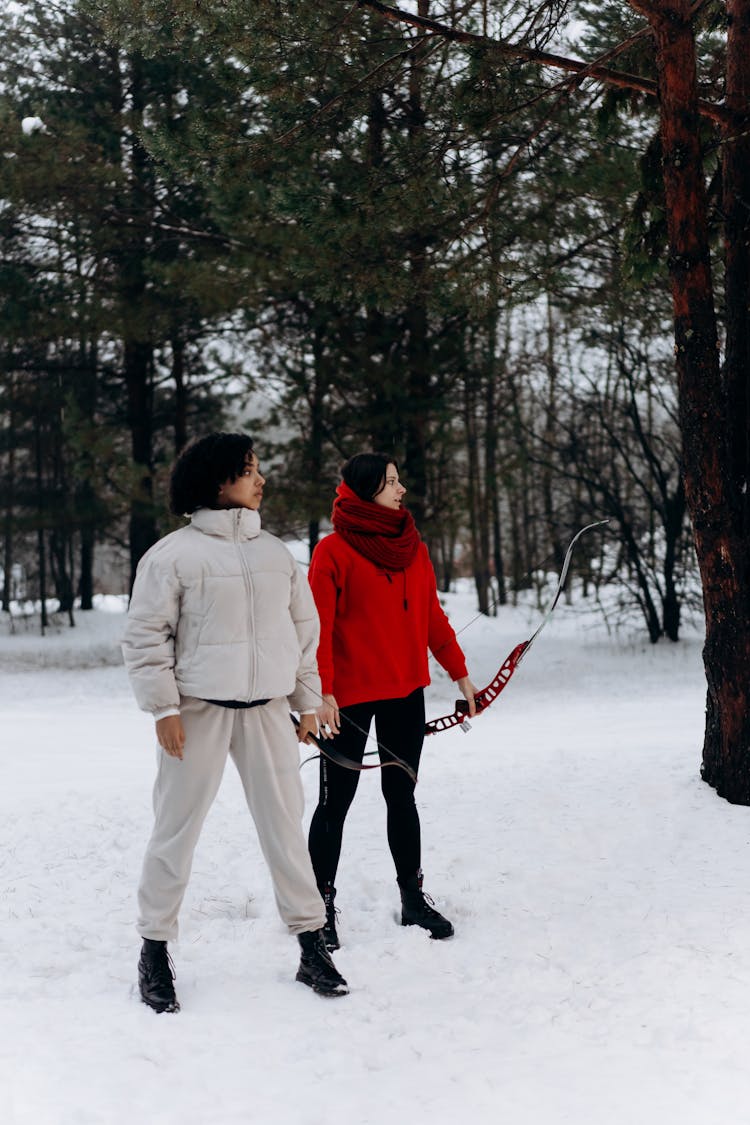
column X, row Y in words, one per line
column 264, row 747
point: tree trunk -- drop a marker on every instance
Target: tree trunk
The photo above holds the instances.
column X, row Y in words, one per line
column 416, row 318
column 715, row 493
column 550, row 418
column 180, row 392
column 726, row 757
column 138, row 382
column 478, row 525
column 491, row 437
column 673, row 519
column 137, row 346
column 315, row 440
column 9, row 499
column 41, row 550
column 86, row 564
column 736, row 192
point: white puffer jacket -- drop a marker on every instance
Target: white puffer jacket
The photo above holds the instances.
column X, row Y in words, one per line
column 220, row 610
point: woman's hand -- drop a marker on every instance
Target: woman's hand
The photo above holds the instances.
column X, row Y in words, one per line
column 171, row 735
column 308, row 724
column 328, row 717
column 468, row 691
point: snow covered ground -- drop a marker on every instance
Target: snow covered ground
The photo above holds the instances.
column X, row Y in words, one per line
column 600, row 972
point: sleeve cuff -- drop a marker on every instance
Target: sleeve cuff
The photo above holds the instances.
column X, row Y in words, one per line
column 166, row 711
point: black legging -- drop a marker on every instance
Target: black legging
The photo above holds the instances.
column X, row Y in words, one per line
column 399, row 725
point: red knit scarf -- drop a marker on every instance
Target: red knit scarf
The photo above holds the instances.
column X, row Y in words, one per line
column 386, row 536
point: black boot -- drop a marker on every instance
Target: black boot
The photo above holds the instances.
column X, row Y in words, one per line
column 330, row 936
column 417, row 909
column 316, row 968
column 156, row 977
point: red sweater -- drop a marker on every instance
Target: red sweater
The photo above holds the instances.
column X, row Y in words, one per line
column 376, row 625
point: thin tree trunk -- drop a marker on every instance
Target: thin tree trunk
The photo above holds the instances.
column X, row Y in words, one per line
column 180, row 392
column 416, row 319
column 491, row 490
column 9, row 499
column 41, row 551
column 142, row 526
column 314, row 451
column 137, row 345
column 479, row 548
column 550, row 416
column 674, row 516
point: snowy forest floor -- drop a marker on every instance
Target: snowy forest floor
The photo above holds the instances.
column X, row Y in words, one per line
column 600, row 972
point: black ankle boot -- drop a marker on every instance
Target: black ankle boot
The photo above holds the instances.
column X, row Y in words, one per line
column 156, row 977
column 417, row 909
column 330, row 936
column 316, row 968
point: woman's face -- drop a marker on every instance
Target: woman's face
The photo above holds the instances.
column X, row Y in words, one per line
column 246, row 491
column 392, row 490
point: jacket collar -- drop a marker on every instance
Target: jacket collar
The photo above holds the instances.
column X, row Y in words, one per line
column 227, row 523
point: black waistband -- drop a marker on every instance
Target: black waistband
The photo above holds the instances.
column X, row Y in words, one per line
column 237, row 704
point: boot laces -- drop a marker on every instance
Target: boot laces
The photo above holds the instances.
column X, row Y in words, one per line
column 429, row 906
column 161, row 970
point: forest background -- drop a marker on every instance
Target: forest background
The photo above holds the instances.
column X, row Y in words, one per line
column 375, row 244
column 340, row 231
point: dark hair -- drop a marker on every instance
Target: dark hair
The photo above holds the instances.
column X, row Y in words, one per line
column 202, row 468
column 365, row 473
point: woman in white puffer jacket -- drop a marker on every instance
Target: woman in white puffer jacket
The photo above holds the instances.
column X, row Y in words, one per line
column 221, row 641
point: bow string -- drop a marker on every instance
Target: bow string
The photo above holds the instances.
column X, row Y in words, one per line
column 489, row 694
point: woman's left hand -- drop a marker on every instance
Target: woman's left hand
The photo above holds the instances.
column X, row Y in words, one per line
column 468, row 691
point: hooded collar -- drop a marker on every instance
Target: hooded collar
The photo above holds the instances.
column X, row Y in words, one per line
column 227, row 523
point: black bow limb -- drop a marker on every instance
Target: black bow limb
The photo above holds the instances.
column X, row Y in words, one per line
column 340, row 759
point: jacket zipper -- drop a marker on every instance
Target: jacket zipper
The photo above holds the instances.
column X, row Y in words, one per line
column 250, row 597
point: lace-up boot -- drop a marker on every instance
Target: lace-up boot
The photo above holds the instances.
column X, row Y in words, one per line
column 417, row 909
column 316, row 969
column 156, row 977
column 330, row 936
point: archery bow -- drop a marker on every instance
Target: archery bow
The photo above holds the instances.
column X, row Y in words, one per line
column 489, row 694
column 340, row 759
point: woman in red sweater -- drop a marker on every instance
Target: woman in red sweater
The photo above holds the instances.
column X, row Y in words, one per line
column 376, row 594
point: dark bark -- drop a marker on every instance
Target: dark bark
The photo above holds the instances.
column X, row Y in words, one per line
column 41, row 547
column 9, row 499
column 711, row 454
column 478, row 520
column 180, row 392
column 416, row 318
column 137, row 346
column 142, row 525
column 495, row 367
column 546, row 483
column 726, row 551
column 316, row 437
column 673, row 523
column 492, row 492
column 85, row 390
column 86, row 567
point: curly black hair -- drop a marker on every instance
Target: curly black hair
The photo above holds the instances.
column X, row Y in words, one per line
column 202, row 468
column 365, row 473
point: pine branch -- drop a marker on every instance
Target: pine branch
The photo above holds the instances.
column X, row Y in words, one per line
column 541, row 58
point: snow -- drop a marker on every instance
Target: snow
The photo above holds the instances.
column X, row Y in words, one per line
column 598, row 888
column 31, row 125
